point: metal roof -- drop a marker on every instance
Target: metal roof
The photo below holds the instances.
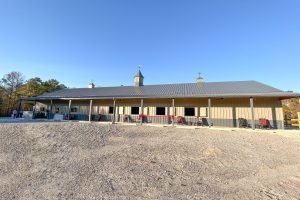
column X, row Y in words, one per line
column 192, row 90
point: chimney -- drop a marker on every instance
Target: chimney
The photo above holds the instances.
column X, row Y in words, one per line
column 91, row 85
column 200, row 79
column 139, row 78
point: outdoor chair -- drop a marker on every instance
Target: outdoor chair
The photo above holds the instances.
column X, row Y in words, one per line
column 264, row 123
column 140, row 119
column 126, row 118
column 243, row 123
column 72, row 117
column 98, row 117
column 147, row 119
column 205, row 122
column 199, row 122
column 179, row 120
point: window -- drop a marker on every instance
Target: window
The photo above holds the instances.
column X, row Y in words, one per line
column 160, row 111
column 111, row 110
column 57, row 110
column 42, row 109
column 74, row 109
column 189, row 111
column 135, row 110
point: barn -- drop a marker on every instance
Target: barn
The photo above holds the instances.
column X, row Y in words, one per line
column 219, row 104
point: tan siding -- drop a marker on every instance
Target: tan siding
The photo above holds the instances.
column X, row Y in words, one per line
column 269, row 108
column 95, row 110
column 243, row 112
column 196, row 111
column 279, row 113
column 127, row 110
column 104, row 110
column 63, row 109
column 145, row 111
column 221, row 112
column 40, row 105
column 152, row 111
column 203, row 112
column 84, row 110
column 121, row 110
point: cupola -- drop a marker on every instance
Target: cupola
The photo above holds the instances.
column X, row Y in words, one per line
column 91, row 85
column 139, row 78
column 200, row 79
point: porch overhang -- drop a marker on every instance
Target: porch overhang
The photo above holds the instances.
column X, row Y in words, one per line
column 281, row 95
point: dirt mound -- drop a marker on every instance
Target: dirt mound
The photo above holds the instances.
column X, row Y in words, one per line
column 212, row 151
column 92, row 161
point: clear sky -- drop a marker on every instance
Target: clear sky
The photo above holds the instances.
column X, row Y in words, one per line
column 105, row 41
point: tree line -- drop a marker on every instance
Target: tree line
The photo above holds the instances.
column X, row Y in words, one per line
column 14, row 86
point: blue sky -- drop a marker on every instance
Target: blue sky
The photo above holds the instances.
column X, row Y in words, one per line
column 78, row 41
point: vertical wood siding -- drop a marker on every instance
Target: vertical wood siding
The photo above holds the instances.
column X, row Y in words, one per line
column 225, row 112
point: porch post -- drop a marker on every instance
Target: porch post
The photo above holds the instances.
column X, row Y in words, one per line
column 117, row 113
column 69, row 114
column 34, row 109
column 90, row 110
column 142, row 111
column 209, row 112
column 173, row 106
column 114, row 112
column 252, row 113
column 50, row 110
column 19, row 108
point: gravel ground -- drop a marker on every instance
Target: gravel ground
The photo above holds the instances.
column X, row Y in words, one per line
column 93, row 161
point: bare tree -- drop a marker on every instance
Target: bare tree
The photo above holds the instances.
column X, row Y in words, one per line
column 13, row 86
column 1, row 99
column 11, row 83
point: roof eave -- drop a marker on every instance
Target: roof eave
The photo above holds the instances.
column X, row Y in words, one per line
column 248, row 95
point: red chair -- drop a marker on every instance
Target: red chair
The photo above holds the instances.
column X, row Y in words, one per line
column 173, row 117
column 179, row 120
column 264, row 123
column 141, row 116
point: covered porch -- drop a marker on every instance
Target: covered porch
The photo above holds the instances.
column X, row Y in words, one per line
column 222, row 112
